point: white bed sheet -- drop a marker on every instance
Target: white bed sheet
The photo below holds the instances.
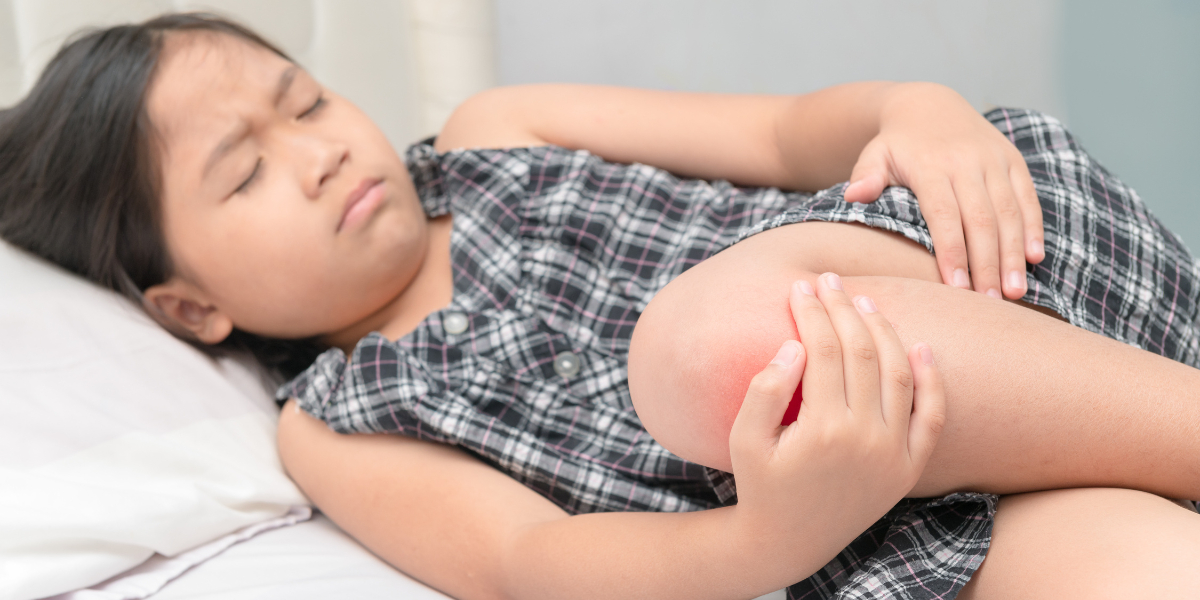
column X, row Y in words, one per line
column 313, row 560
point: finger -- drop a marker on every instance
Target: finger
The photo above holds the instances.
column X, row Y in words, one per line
column 867, row 189
column 1010, row 231
column 929, row 405
column 822, row 386
column 945, row 227
column 979, row 227
column 769, row 393
column 895, row 374
column 860, row 360
column 870, row 174
column 1031, row 211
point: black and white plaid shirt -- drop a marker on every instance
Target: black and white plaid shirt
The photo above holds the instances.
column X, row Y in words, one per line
column 555, row 254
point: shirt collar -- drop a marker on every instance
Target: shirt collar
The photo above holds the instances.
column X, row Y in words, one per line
column 424, row 167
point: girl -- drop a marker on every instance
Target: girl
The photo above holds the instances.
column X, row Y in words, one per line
column 481, row 302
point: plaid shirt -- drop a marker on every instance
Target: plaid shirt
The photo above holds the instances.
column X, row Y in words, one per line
column 555, row 254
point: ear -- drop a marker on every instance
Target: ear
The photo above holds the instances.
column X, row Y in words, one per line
column 182, row 307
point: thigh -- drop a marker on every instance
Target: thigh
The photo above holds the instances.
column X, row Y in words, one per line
column 1089, row 543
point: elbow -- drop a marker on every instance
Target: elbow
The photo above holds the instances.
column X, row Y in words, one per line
column 494, row 118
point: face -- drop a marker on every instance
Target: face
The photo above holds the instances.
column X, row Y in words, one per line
column 286, row 211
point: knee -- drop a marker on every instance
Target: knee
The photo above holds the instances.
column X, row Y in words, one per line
column 695, row 349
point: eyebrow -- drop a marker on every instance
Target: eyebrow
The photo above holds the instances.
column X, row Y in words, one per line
column 285, row 82
column 239, row 133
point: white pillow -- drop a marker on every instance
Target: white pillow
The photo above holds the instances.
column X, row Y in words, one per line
column 118, row 441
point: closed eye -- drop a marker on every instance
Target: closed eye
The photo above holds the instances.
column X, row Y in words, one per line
column 314, row 108
column 250, row 179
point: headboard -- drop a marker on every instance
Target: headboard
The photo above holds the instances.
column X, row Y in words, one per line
column 406, row 63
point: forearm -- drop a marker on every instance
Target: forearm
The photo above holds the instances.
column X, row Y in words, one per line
column 820, row 135
column 469, row 530
column 663, row 555
column 804, row 142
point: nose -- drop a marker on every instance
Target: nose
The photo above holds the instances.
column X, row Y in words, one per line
column 321, row 160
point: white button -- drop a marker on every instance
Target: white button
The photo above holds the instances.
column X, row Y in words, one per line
column 567, row 364
column 455, row 323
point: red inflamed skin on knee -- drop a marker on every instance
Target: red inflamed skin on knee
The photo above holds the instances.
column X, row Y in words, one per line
column 793, row 409
column 691, row 361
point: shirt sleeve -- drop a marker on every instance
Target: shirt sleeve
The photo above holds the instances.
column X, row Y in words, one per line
column 378, row 389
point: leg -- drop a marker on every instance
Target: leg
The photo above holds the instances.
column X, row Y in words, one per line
column 1089, row 543
column 1033, row 403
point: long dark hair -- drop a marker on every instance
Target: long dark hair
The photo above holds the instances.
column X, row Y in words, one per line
column 79, row 175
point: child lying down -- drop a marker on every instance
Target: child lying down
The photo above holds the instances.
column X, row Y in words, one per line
column 476, row 303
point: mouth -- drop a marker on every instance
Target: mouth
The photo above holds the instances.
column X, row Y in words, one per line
column 361, row 203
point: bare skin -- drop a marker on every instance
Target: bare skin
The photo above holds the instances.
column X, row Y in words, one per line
column 1130, row 544
column 1021, row 387
column 256, row 235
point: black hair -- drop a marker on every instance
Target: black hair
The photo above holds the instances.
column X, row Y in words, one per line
column 80, row 183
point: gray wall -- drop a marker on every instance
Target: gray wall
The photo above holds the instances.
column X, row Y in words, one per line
column 1131, row 75
column 1122, row 74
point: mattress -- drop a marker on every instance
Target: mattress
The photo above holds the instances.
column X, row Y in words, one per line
column 313, row 560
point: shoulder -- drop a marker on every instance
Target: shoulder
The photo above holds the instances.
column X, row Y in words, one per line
column 494, row 118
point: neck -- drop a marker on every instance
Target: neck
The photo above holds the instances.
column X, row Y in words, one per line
column 431, row 289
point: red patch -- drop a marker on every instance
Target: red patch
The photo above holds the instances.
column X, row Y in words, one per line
column 793, row 409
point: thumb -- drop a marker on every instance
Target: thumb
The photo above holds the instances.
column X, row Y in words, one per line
column 770, row 392
column 929, row 405
column 870, row 175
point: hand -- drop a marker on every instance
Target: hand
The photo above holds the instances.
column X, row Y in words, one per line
column 971, row 182
column 869, row 421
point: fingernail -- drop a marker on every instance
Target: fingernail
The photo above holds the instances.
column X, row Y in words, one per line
column 787, row 354
column 865, row 304
column 926, row 354
column 960, row 279
column 834, row 281
column 1016, row 280
column 993, row 292
column 805, row 287
column 1036, row 248
column 851, row 187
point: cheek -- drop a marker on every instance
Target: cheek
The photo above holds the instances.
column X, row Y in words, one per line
column 263, row 250
column 256, row 264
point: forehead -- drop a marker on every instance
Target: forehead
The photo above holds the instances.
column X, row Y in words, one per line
column 206, row 80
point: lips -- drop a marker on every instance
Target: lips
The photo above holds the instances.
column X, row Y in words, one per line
column 361, row 202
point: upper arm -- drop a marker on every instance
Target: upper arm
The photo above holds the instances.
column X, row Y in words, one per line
column 493, row 118
column 431, row 510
